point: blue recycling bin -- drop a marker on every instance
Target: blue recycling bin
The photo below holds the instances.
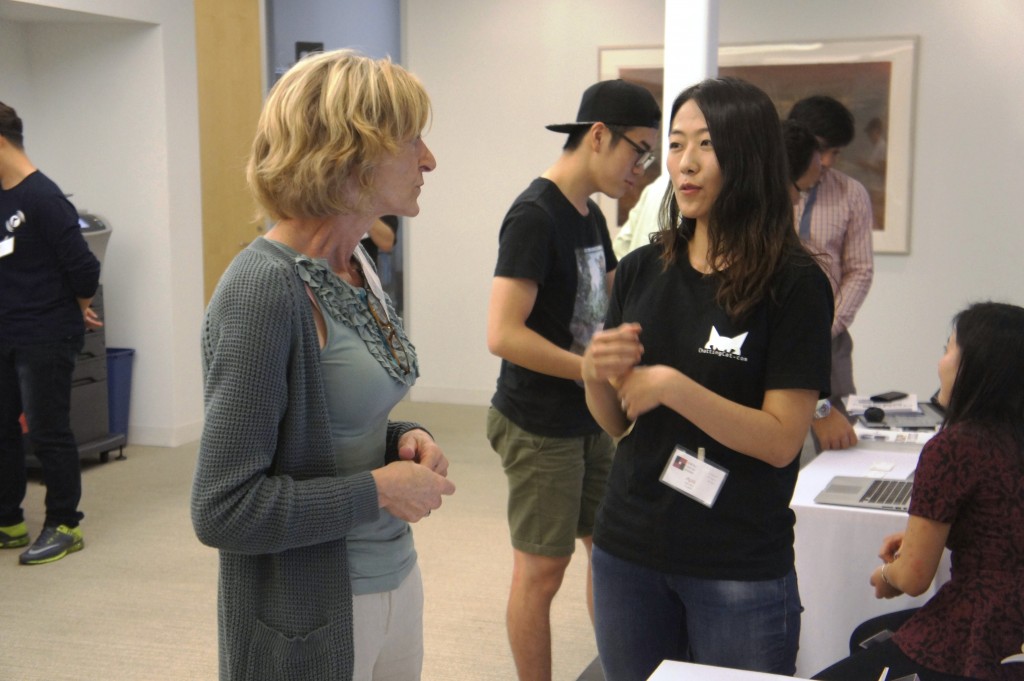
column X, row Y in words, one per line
column 119, row 387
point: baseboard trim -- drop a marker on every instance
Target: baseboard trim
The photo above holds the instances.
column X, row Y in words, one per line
column 161, row 436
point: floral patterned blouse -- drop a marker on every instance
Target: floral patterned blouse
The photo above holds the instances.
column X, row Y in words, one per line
column 972, row 476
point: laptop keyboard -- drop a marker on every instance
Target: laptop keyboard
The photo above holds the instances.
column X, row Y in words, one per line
column 889, row 493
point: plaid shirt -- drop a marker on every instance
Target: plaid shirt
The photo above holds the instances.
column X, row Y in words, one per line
column 841, row 231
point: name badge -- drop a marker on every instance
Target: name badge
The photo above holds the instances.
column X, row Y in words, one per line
column 6, row 247
column 692, row 475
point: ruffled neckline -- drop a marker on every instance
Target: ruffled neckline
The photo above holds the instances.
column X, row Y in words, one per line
column 347, row 304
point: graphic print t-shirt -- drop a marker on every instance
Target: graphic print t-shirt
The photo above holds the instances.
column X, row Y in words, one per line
column 545, row 239
column 784, row 343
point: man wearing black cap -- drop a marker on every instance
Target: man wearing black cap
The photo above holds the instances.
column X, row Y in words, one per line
column 549, row 295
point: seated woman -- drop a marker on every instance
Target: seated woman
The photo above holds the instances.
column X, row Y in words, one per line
column 968, row 495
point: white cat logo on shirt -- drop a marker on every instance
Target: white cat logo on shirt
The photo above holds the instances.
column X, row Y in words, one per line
column 724, row 346
column 1015, row 659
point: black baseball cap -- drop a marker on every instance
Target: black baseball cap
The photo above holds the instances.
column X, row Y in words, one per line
column 614, row 102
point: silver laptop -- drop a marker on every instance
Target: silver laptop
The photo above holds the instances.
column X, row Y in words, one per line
column 864, row 492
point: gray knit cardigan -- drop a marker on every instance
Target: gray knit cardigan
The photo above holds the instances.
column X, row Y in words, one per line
column 265, row 491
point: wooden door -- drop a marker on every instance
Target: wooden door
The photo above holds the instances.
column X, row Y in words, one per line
column 229, row 67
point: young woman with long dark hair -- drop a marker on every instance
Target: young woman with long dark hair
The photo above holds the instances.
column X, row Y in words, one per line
column 968, row 496
column 717, row 349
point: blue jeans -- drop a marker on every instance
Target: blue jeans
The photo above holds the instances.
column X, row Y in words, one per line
column 643, row 616
column 36, row 379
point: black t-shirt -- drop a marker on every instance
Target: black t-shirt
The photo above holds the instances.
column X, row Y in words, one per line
column 784, row 343
column 545, row 239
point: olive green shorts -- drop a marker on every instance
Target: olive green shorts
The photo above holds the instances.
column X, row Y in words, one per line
column 554, row 484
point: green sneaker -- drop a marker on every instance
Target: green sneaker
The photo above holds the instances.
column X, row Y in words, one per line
column 53, row 544
column 13, row 536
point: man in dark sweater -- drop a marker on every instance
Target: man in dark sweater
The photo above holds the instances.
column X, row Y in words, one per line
column 48, row 277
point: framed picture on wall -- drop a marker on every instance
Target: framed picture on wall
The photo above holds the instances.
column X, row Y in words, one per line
column 873, row 78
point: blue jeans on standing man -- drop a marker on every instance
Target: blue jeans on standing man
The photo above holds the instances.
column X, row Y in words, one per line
column 36, row 379
column 643, row 616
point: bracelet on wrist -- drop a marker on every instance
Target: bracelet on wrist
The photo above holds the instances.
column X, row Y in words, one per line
column 886, row 579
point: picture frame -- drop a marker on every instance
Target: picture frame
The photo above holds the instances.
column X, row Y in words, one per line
column 874, row 78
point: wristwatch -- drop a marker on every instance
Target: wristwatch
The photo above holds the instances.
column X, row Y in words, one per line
column 823, row 409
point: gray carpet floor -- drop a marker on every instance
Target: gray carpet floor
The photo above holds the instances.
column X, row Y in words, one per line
column 138, row 603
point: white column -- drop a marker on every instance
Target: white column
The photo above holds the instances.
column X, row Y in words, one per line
column 691, row 46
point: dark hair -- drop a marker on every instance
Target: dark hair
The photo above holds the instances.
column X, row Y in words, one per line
column 826, row 117
column 10, row 126
column 989, row 384
column 750, row 226
column 800, row 147
column 576, row 136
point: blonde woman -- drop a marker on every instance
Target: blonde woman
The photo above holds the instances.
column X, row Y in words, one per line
column 303, row 483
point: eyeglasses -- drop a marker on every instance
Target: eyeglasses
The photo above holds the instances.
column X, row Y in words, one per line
column 387, row 329
column 647, row 156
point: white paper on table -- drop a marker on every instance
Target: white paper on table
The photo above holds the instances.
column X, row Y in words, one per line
column 892, row 435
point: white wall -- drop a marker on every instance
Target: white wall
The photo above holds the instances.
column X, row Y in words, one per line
column 107, row 90
column 14, row 81
column 505, row 68
column 966, row 241
column 497, row 73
